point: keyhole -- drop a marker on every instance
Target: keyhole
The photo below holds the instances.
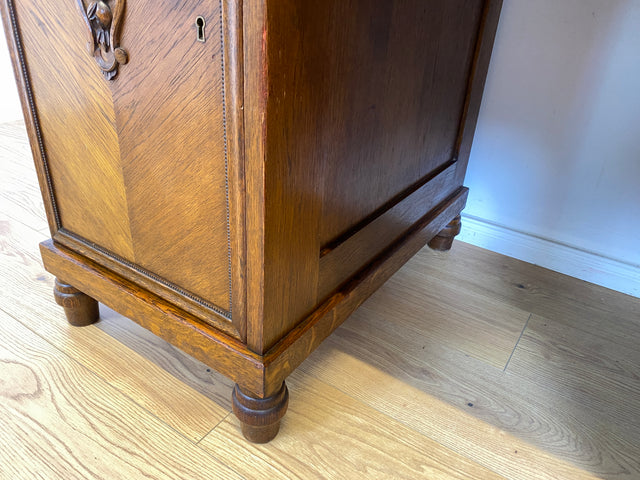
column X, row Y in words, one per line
column 200, row 23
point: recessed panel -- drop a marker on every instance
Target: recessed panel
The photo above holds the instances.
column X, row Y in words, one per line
column 169, row 116
column 77, row 124
column 400, row 86
column 137, row 154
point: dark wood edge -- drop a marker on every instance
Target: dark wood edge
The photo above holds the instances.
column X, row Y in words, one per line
column 221, row 352
column 258, row 374
column 234, row 93
column 29, row 110
column 255, row 100
column 350, row 256
column 225, row 139
column 260, row 417
column 291, row 351
column 80, row 309
column 397, row 199
column 443, row 241
column 477, row 78
column 161, row 287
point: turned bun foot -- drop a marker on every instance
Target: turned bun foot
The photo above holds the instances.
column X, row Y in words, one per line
column 444, row 239
column 260, row 417
column 79, row 308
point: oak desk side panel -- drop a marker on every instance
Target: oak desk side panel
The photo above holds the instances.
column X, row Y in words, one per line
column 362, row 103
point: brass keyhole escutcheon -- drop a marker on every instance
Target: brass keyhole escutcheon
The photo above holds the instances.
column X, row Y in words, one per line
column 200, row 23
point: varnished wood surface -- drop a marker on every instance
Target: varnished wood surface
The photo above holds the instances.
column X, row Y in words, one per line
column 151, row 183
column 233, row 41
column 158, row 201
column 395, row 96
column 80, row 309
column 260, row 417
column 362, row 102
column 355, row 252
column 503, row 368
column 71, row 95
column 176, row 173
column 226, row 354
column 305, row 338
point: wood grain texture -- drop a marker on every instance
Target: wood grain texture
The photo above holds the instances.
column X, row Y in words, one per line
column 106, row 150
column 260, row 417
column 333, row 136
column 292, row 194
column 189, row 371
column 518, row 439
column 175, row 174
column 80, row 309
column 25, row 92
column 45, row 404
column 327, row 434
column 340, row 138
column 521, row 422
column 71, row 94
column 356, row 251
column 143, row 381
column 227, row 355
column 150, row 281
column 583, row 306
column 496, row 326
column 255, row 73
column 581, row 367
column 395, row 96
column 305, row 337
column 233, row 47
column 408, row 399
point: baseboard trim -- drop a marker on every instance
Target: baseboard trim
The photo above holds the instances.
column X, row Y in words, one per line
column 572, row 261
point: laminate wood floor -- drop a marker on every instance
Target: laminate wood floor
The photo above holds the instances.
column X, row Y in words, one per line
column 466, row 364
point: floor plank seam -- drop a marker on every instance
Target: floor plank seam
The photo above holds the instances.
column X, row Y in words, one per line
column 517, row 342
column 17, row 220
column 213, row 428
column 43, row 231
column 400, row 420
column 564, row 425
column 110, row 385
column 102, row 379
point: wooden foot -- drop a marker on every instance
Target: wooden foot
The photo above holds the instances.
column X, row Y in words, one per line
column 79, row 308
column 260, row 417
column 444, row 240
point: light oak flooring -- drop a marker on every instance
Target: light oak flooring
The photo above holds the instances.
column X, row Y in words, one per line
column 466, row 364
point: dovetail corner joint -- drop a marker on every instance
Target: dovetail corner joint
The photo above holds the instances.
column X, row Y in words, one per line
column 103, row 20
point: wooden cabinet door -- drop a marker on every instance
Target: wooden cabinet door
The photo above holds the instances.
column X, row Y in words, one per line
column 136, row 164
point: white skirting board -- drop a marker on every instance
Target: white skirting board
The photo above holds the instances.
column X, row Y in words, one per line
column 572, row 261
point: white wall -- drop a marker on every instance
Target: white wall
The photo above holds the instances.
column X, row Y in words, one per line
column 10, row 109
column 557, row 147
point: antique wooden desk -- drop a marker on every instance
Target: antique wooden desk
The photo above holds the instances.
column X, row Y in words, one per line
column 239, row 176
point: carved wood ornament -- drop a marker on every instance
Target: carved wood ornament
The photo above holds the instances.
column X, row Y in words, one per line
column 104, row 20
